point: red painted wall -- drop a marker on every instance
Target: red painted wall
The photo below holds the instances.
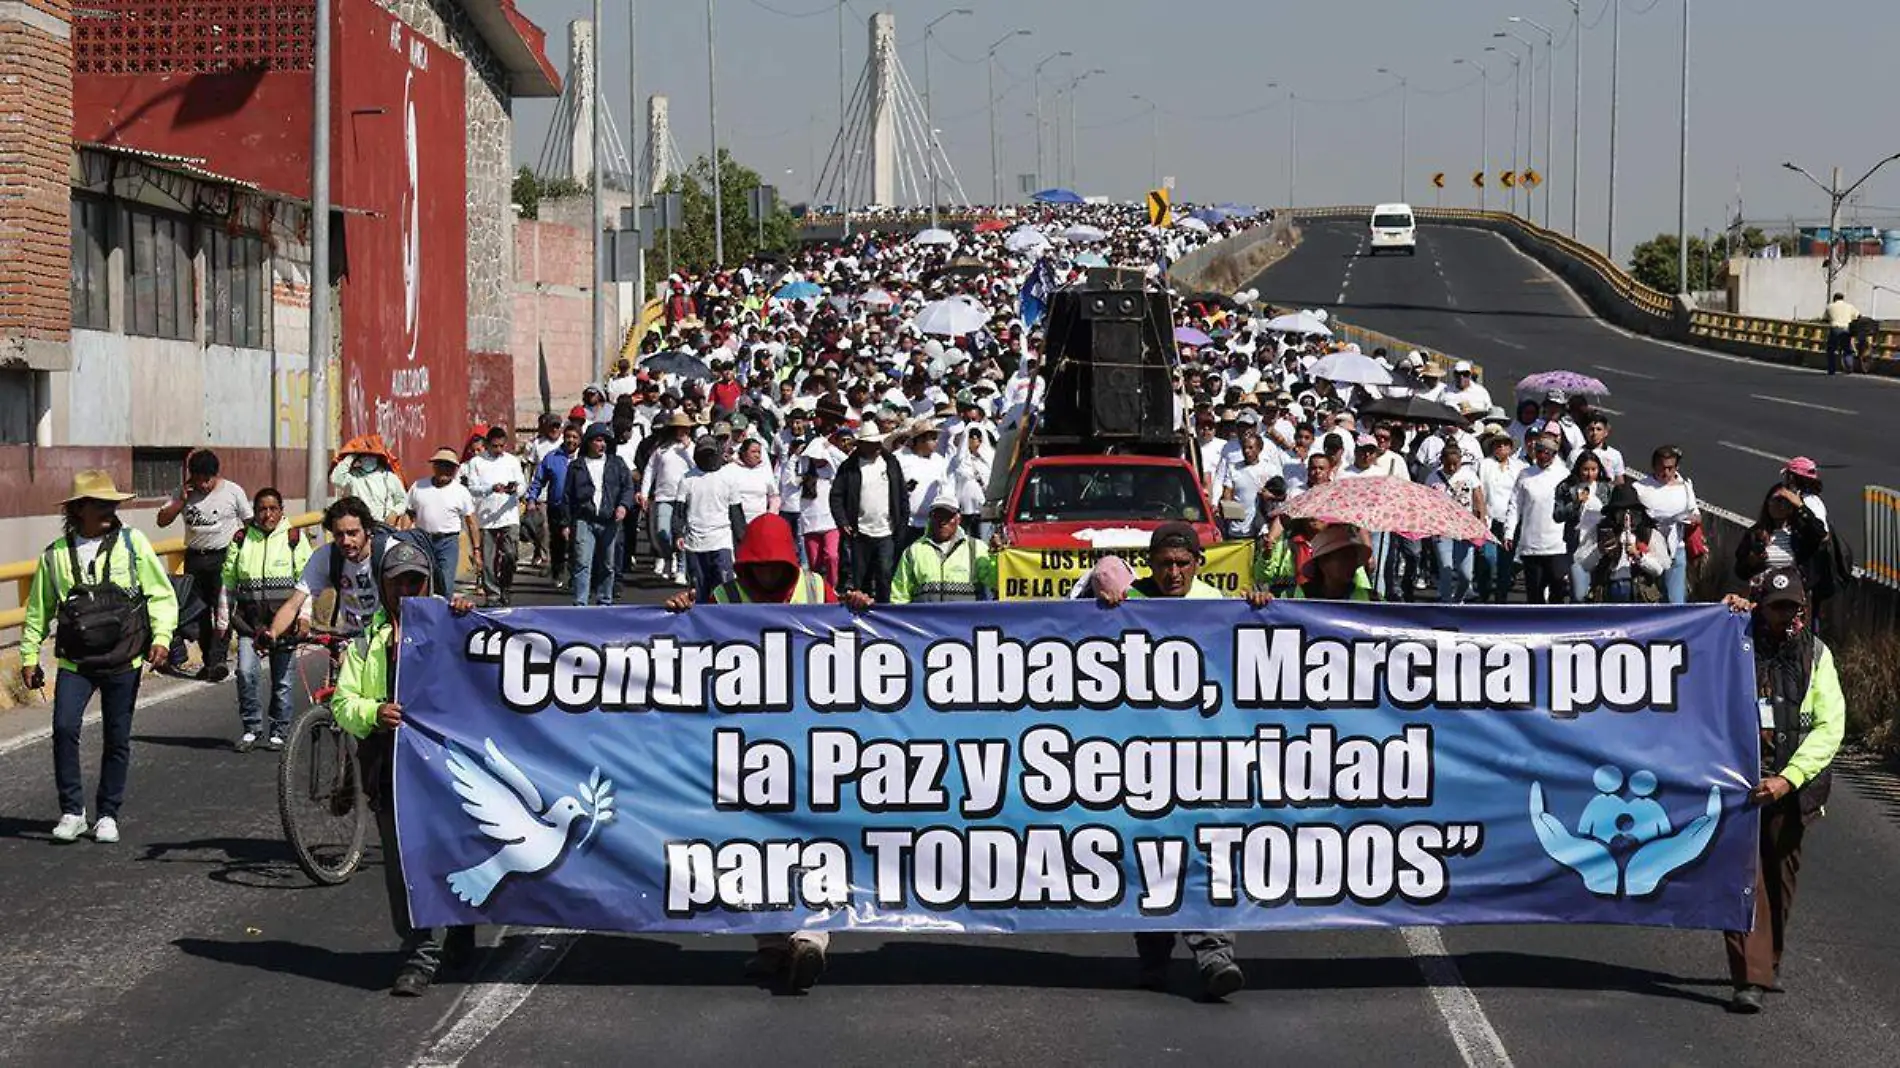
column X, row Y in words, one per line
column 253, row 125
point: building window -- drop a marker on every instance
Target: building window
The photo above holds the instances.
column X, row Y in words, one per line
column 160, row 300
column 238, row 267
column 92, row 244
column 157, row 473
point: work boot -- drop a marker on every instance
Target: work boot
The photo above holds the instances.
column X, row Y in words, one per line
column 807, row 963
column 1220, row 980
column 1746, row 1002
column 411, row 982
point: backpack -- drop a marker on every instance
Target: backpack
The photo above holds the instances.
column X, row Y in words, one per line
column 101, row 626
column 1839, row 562
column 379, row 539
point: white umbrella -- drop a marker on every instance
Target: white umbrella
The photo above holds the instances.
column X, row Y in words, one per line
column 1026, row 239
column 1082, row 234
column 952, row 318
column 935, row 237
column 1192, row 223
column 1352, row 367
column 877, row 298
column 1299, row 323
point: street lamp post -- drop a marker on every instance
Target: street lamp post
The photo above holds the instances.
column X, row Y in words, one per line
column 1550, row 96
column 712, row 111
column 930, row 125
column 1292, row 141
column 1616, row 100
column 1517, row 106
column 1154, row 140
column 1836, row 196
column 1530, row 119
column 1682, row 164
column 1405, row 127
column 1576, row 111
column 1036, row 85
column 1073, row 87
column 1484, row 127
column 996, row 174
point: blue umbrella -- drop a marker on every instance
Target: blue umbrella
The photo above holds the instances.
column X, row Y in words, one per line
column 1238, row 209
column 1058, row 196
column 799, row 290
column 1211, row 215
column 1091, row 259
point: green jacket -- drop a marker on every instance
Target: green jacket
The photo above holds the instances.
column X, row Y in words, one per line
column 1825, row 709
column 363, row 681
column 141, row 569
column 260, row 569
column 928, row 574
column 1200, row 591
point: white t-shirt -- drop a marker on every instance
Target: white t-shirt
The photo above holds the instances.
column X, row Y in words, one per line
column 212, row 519
column 924, row 479
column 1246, row 480
column 357, row 596
column 707, row 500
column 1461, row 485
column 439, row 509
column 482, row 473
column 87, row 549
column 752, row 487
column 874, row 499
column 597, row 471
column 814, row 512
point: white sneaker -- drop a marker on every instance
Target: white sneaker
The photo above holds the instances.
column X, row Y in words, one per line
column 659, row 566
column 106, row 830
column 69, row 828
column 679, row 577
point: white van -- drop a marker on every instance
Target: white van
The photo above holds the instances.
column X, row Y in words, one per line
column 1392, row 228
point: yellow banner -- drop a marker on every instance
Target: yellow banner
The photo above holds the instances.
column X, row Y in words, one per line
column 1044, row 574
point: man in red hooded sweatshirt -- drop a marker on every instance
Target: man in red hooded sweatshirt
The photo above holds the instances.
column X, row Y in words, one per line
column 766, row 571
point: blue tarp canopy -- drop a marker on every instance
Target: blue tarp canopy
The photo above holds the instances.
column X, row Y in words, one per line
column 1058, row 196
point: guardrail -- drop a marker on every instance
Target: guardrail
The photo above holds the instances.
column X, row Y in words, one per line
column 1880, row 542
column 1617, row 296
column 171, row 550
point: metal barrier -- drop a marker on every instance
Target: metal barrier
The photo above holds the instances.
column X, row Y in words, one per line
column 171, row 550
column 1880, row 542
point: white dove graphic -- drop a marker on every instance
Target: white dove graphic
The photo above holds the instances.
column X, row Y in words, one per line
column 508, row 807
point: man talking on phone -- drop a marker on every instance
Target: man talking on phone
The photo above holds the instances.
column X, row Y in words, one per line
column 495, row 478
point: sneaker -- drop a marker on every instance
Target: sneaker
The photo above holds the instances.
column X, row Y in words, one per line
column 1221, row 980
column 410, row 983
column 106, row 830
column 69, row 828
column 248, row 742
column 659, row 567
column 1746, row 1002
column 679, row 577
column 807, row 963
column 215, row 674
column 275, row 744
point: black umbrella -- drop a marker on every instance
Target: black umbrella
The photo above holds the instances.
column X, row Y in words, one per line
column 1414, row 409
column 684, row 364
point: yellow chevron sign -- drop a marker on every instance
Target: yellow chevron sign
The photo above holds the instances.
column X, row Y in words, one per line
column 1533, row 179
column 1160, row 208
column 1438, row 180
column 1508, row 179
column 1477, row 179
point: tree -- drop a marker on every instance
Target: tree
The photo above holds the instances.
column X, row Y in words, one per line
column 530, row 190
column 1654, row 262
column 693, row 242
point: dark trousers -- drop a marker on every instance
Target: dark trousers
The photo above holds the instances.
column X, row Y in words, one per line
column 1840, row 351
column 558, row 548
column 1546, row 578
column 1210, row 948
column 206, row 568
column 501, row 548
column 421, row 946
column 1401, row 568
column 872, row 561
column 1754, row 955
column 707, row 572
column 118, row 693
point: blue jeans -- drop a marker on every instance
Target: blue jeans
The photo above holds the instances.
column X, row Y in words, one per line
column 72, row 691
column 1675, row 581
column 708, row 571
column 250, row 666
column 596, row 551
column 1455, row 566
column 798, row 543
column 1498, row 567
column 447, row 550
column 663, row 529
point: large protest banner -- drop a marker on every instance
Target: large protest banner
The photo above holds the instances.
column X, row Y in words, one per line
column 1039, row 574
column 1061, row 766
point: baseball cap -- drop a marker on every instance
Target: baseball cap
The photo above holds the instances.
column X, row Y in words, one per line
column 1556, row 396
column 1174, row 535
column 1802, row 467
column 946, row 501
column 1462, row 367
column 1781, row 585
column 402, row 558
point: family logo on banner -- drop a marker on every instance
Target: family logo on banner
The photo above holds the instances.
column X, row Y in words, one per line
column 1040, row 574
column 1062, row 767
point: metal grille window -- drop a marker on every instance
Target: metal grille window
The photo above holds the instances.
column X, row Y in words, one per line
column 91, row 245
column 238, row 298
column 156, row 473
column 159, row 295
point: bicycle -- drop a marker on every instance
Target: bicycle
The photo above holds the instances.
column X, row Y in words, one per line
column 320, row 781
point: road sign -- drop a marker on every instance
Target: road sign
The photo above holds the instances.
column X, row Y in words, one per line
column 1160, row 207
column 1167, row 182
column 1533, row 179
column 1477, row 179
column 1438, row 179
column 761, row 201
column 1508, row 179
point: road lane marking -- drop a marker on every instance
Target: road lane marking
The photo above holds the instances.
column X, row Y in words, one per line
column 1805, row 404
column 1755, row 452
column 1608, row 411
column 1620, row 371
column 487, row 1003
column 1477, row 1041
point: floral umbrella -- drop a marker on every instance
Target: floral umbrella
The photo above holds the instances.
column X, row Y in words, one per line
column 1391, row 505
column 1187, row 335
column 1568, row 381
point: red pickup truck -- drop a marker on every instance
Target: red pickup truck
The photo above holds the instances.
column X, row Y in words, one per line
column 1103, row 502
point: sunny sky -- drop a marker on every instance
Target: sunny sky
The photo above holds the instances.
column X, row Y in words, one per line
column 1768, row 84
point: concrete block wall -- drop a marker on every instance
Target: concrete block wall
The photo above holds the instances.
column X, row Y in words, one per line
column 553, row 314
column 36, row 117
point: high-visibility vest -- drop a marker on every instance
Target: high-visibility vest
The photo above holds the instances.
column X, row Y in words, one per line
column 810, row 589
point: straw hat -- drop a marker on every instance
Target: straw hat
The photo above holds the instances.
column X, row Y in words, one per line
column 96, row 485
column 446, row 456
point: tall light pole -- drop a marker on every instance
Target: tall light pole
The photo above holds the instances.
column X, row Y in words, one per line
column 996, row 174
column 1517, row 106
column 1484, row 127
column 1073, row 86
column 712, row 112
column 598, row 351
column 317, row 410
column 1836, row 196
column 1530, row 120
column 1550, row 95
column 1405, row 127
column 1036, row 84
column 1682, row 164
column 930, row 123
column 1576, row 111
column 1292, row 141
column 1616, row 100
column 1154, row 140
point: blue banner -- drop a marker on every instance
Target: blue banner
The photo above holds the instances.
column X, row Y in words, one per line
column 1064, row 767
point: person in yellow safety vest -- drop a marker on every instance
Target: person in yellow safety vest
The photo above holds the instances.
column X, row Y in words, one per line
column 364, row 704
column 1336, row 567
column 1174, row 558
column 261, row 570
column 765, row 571
column 113, row 602
column 945, row 564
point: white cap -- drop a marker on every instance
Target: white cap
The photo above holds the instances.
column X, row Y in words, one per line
column 1461, row 367
column 946, row 500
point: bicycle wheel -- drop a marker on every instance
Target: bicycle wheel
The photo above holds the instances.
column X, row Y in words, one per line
column 320, row 797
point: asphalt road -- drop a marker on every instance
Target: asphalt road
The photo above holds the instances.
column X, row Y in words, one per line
column 197, row 941
column 1472, row 294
